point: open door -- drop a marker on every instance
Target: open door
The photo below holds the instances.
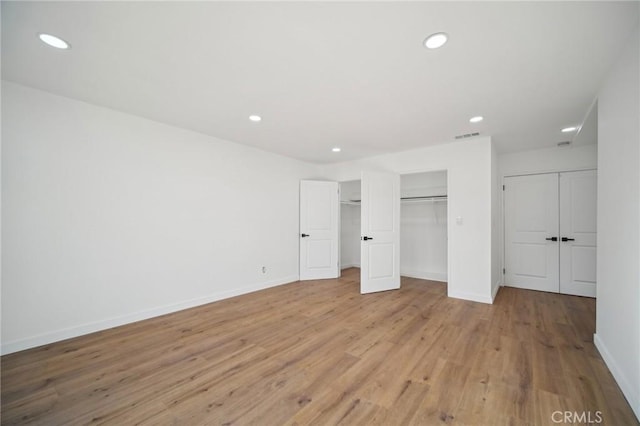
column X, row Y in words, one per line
column 380, row 237
column 319, row 210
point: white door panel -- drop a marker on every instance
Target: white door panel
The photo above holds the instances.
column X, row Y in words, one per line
column 531, row 260
column 380, row 224
column 319, row 253
column 531, row 216
column 561, row 205
column 319, row 212
column 578, row 233
column 381, row 257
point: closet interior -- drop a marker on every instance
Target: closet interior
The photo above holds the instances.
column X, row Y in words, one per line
column 423, row 225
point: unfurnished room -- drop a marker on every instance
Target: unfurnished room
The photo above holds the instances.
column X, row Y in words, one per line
column 320, row 213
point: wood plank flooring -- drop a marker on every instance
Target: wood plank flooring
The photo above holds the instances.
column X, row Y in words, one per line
column 320, row 353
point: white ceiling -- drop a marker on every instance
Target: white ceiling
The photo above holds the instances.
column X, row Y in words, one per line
column 354, row 75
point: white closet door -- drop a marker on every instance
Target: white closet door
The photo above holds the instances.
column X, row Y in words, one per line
column 319, row 211
column 578, row 233
column 531, row 224
column 380, row 238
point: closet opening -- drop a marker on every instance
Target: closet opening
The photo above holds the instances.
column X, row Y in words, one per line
column 423, row 225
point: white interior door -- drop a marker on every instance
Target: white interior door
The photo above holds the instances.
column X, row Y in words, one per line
column 531, row 232
column 380, row 237
column 319, row 212
column 578, row 233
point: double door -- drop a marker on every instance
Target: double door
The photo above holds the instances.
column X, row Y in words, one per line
column 380, row 233
column 550, row 232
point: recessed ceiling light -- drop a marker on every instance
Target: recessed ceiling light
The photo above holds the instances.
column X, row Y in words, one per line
column 569, row 129
column 476, row 119
column 54, row 41
column 436, row 40
column 255, row 118
column 336, row 149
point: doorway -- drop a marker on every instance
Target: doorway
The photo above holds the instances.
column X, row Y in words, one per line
column 423, row 225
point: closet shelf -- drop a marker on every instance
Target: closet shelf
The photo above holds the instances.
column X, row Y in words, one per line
column 430, row 198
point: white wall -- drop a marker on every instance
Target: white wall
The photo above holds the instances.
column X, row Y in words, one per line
column 110, row 218
column 546, row 160
column 618, row 294
column 350, row 191
column 496, row 229
column 350, row 224
column 556, row 159
column 349, row 236
column 423, row 240
column 468, row 166
column 423, row 184
column 423, row 226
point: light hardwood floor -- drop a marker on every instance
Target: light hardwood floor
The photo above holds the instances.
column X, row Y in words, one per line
column 320, row 353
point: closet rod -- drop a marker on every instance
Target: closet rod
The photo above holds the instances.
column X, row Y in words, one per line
column 429, row 198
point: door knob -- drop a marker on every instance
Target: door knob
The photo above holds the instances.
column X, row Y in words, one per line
column 568, row 239
column 367, row 238
column 552, row 239
column 305, row 235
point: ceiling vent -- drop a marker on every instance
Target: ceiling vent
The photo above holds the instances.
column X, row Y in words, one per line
column 467, row 135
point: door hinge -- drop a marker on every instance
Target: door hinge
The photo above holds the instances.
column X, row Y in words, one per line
column 503, row 187
column 504, row 271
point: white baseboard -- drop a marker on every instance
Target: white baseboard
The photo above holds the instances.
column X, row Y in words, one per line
column 632, row 397
column 495, row 290
column 350, row 265
column 68, row 333
column 474, row 297
column 423, row 275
